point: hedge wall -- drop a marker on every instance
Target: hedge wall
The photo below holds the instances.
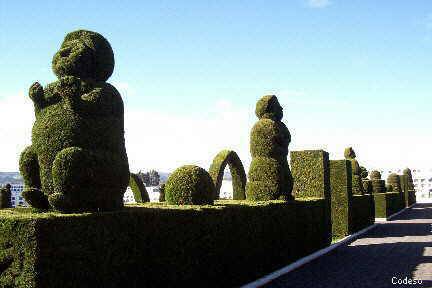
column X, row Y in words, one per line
column 363, row 212
column 138, row 189
column 158, row 245
column 341, row 197
column 311, row 173
column 387, row 204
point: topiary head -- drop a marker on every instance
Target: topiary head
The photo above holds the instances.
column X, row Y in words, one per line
column 349, row 153
column 268, row 107
column 84, row 54
column 189, row 185
column 375, row 175
column 393, row 178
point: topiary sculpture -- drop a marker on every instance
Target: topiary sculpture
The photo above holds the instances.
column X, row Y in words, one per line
column 189, row 185
column 269, row 174
column 393, row 182
column 77, row 160
column 378, row 185
column 138, row 189
column 237, row 172
column 6, row 197
column 363, row 172
column 162, row 193
column 367, row 186
column 410, row 180
column 357, row 186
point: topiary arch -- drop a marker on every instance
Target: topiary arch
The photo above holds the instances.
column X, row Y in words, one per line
column 138, row 189
column 237, row 172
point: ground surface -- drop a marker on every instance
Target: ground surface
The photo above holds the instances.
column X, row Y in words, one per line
column 398, row 249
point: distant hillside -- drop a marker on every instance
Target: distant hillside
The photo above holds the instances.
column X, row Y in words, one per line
column 10, row 177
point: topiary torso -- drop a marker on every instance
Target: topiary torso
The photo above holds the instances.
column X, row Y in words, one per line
column 78, row 159
column 269, row 173
column 357, row 185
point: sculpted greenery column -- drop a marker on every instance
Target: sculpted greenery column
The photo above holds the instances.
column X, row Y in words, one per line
column 77, row 160
column 357, row 185
column 269, row 174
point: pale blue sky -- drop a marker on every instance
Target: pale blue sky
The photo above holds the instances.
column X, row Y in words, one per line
column 348, row 68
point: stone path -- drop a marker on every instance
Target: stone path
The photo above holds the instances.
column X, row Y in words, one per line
column 385, row 255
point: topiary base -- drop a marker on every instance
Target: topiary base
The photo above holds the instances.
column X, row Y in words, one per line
column 158, row 245
column 386, row 204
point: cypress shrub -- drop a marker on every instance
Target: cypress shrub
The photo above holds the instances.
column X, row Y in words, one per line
column 238, row 174
column 138, row 189
column 269, row 174
column 357, row 186
column 77, row 160
column 189, row 185
column 6, row 197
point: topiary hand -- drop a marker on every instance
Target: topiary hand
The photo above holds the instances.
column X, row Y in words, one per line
column 36, row 93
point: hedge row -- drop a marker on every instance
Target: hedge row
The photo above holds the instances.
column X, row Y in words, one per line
column 387, row 204
column 158, row 245
column 363, row 213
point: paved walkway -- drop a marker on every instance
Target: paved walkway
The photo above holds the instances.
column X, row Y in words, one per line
column 391, row 252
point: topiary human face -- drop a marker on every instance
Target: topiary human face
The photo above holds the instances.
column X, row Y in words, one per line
column 84, row 54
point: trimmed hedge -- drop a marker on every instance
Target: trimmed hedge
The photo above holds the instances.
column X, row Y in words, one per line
column 311, row 173
column 162, row 193
column 158, row 245
column 238, row 174
column 387, row 204
column 189, row 185
column 410, row 193
column 5, row 197
column 363, row 213
column 77, row 160
column 138, row 189
column 341, row 197
column 269, row 174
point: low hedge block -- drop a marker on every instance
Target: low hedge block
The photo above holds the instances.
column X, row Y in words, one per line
column 363, row 212
column 387, row 204
column 158, row 245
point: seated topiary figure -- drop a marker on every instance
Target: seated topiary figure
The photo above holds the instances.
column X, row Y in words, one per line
column 189, row 185
column 357, row 186
column 6, row 197
column 378, row 185
column 77, row 160
column 393, row 182
column 269, row 174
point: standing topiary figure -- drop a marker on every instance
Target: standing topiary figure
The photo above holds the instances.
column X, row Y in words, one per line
column 6, row 197
column 269, row 174
column 378, row 185
column 410, row 180
column 189, row 185
column 77, row 160
column 357, row 186
column 162, row 193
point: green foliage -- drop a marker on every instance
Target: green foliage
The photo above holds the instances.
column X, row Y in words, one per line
column 363, row 212
column 387, row 204
column 77, row 160
column 393, row 181
column 138, row 189
column 269, row 173
column 367, row 186
column 189, row 185
column 375, row 175
column 341, row 197
column 349, row 153
column 363, row 172
column 238, row 174
column 311, row 173
column 137, row 246
column 5, row 197
column 162, row 193
column 378, row 186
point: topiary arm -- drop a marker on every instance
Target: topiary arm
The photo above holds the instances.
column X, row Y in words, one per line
column 36, row 94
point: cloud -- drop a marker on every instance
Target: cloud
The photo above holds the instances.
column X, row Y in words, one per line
column 318, row 3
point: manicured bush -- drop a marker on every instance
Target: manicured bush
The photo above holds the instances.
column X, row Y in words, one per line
column 375, row 175
column 138, row 189
column 378, row 185
column 410, row 197
column 363, row 172
column 77, row 160
column 311, row 173
column 189, row 185
column 393, row 181
column 387, row 204
column 341, row 197
column 367, row 186
column 363, row 213
column 162, row 193
column 158, row 245
column 238, row 174
column 357, row 186
column 269, row 173
column 6, row 197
